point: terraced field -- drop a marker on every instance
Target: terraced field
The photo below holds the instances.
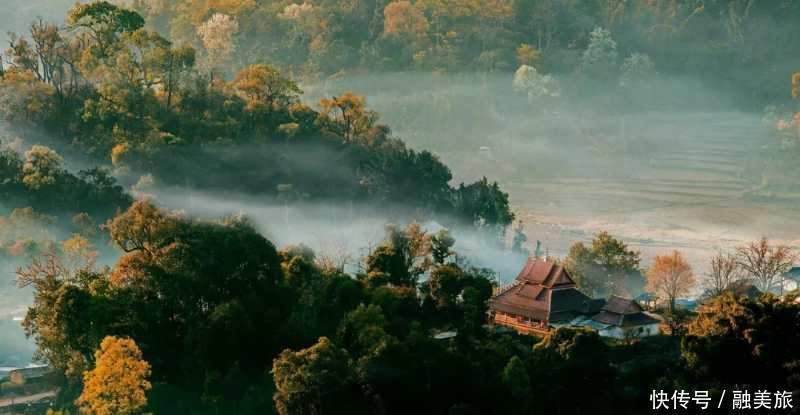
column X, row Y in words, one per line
column 690, row 192
column 660, row 180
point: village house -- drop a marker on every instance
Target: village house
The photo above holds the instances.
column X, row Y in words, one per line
column 622, row 318
column 544, row 296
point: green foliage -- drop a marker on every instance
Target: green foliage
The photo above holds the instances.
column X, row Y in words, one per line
column 607, row 267
column 319, row 379
column 760, row 336
column 211, row 305
column 129, row 98
column 41, row 182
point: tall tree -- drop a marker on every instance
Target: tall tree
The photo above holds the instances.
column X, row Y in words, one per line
column 670, row 276
column 723, row 274
column 765, row 263
column 118, row 384
column 316, row 380
column 607, row 266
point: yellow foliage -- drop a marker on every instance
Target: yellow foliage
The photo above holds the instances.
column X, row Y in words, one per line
column 401, row 17
column 79, row 253
column 117, row 152
column 118, row 384
column 527, row 54
column 670, row 277
column 796, row 85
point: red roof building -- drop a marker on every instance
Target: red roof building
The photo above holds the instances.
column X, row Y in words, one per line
column 543, row 294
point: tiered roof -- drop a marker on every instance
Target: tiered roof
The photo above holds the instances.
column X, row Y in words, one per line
column 543, row 291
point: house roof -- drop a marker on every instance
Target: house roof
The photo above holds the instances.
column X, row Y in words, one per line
column 623, row 312
column 620, row 305
column 544, row 291
column 543, row 272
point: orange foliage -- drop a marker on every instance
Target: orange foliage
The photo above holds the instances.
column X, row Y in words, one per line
column 670, row 276
column 401, row 17
column 118, row 384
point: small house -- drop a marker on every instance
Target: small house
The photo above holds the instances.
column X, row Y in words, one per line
column 623, row 318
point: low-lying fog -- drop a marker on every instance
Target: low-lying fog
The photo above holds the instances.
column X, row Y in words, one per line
column 676, row 166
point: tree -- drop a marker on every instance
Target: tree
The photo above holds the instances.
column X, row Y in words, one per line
column 724, row 273
column 760, row 336
column 569, row 361
column 362, row 330
column 104, row 23
column 118, row 384
column 516, row 379
column 42, row 167
column 401, row 258
column 264, row 88
column 528, row 80
column 217, row 36
column 765, row 263
column 484, row 205
column 637, row 70
column 23, row 97
column 316, row 380
column 441, row 246
column 608, row 266
column 670, row 276
column 403, row 18
column 599, row 60
column 349, row 115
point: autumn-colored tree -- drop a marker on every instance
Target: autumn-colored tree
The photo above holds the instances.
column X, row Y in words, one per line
column 527, row 54
column 765, row 263
column 264, row 87
column 42, row 167
column 217, row 37
column 670, row 276
column 23, row 97
column 79, row 254
column 350, row 114
column 761, row 336
column 403, row 18
column 118, row 384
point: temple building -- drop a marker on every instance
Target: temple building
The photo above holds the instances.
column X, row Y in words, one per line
column 542, row 296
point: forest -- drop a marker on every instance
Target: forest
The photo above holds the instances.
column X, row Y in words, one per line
column 167, row 168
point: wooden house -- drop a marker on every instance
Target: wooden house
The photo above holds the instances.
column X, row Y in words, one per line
column 542, row 295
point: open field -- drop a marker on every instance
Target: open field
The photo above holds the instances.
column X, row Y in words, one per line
column 683, row 178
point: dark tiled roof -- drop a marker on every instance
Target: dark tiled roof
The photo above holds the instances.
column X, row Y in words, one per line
column 620, row 305
column 594, row 305
column 568, row 299
column 639, row 319
column 606, row 317
column 623, row 312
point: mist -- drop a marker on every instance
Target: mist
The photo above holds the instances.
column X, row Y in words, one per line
column 344, row 233
column 678, row 165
